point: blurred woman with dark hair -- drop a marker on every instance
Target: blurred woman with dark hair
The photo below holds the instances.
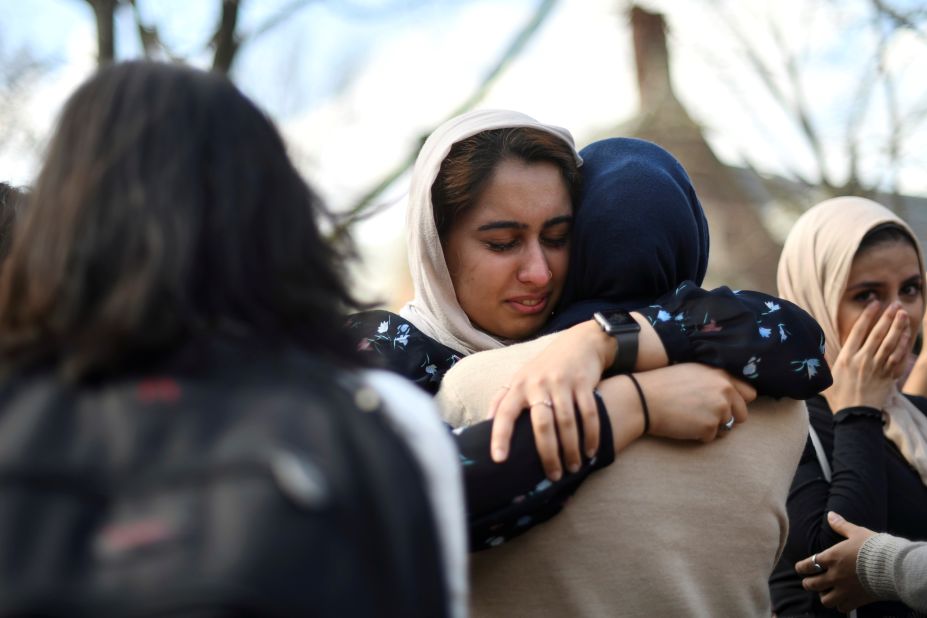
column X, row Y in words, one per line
column 169, row 282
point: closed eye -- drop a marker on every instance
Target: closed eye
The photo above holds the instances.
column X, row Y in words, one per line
column 499, row 247
column 555, row 242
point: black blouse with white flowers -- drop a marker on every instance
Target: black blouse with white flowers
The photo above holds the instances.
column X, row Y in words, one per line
column 770, row 343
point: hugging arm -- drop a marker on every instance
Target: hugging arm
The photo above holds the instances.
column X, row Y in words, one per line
column 769, row 343
column 504, row 500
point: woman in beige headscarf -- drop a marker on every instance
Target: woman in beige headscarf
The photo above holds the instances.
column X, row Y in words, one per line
column 857, row 268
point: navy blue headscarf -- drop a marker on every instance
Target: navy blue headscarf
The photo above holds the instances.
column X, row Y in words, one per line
column 638, row 232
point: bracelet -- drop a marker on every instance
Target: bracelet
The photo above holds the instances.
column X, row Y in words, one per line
column 640, row 393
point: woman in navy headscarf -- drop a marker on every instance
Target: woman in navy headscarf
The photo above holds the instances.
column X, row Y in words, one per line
column 640, row 239
column 638, row 233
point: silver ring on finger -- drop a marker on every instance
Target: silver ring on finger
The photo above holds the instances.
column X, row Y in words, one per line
column 545, row 402
column 814, row 562
column 729, row 425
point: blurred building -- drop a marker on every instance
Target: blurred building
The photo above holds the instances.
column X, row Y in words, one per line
column 748, row 214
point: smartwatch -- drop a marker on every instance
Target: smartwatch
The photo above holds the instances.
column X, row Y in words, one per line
column 619, row 324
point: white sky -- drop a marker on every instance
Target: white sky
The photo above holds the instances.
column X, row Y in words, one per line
column 352, row 93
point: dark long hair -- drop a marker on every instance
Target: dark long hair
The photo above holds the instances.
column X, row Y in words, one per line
column 167, row 209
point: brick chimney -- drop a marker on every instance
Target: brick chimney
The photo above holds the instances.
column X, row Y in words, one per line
column 652, row 58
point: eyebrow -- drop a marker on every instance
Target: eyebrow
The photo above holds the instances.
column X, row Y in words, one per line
column 879, row 284
column 866, row 284
column 517, row 225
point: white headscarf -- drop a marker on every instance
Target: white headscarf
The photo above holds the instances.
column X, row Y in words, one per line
column 813, row 273
column 434, row 309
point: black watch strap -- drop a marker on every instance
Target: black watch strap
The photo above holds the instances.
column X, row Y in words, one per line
column 620, row 325
column 626, row 357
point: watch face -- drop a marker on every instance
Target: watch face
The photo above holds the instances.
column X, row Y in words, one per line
column 616, row 320
column 618, row 317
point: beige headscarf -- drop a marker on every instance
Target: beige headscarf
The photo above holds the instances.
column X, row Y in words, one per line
column 813, row 273
column 435, row 310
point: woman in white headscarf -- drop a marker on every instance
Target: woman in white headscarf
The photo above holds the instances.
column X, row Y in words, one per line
column 857, row 268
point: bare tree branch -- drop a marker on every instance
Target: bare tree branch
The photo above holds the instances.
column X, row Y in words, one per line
column 151, row 40
column 366, row 202
column 902, row 20
column 893, row 141
column 800, row 107
column 224, row 40
column 793, row 106
column 282, row 15
column 859, row 106
column 718, row 62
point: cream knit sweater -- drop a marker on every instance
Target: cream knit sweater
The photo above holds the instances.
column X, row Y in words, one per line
column 894, row 568
column 670, row 529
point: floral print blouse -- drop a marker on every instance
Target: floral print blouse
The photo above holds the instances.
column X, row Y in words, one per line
column 769, row 342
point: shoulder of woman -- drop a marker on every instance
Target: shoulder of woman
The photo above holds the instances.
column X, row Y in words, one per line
column 468, row 388
column 379, row 326
column 371, row 319
column 502, row 358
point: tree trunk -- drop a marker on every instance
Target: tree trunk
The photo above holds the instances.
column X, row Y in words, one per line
column 104, row 13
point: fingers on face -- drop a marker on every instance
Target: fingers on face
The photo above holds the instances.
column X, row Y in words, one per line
column 860, row 329
column 880, row 330
column 891, row 350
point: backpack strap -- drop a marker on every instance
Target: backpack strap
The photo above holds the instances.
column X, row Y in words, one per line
column 819, row 451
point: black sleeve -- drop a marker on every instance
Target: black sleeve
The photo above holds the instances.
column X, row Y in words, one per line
column 395, row 344
column 769, row 342
column 504, row 500
column 858, row 485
